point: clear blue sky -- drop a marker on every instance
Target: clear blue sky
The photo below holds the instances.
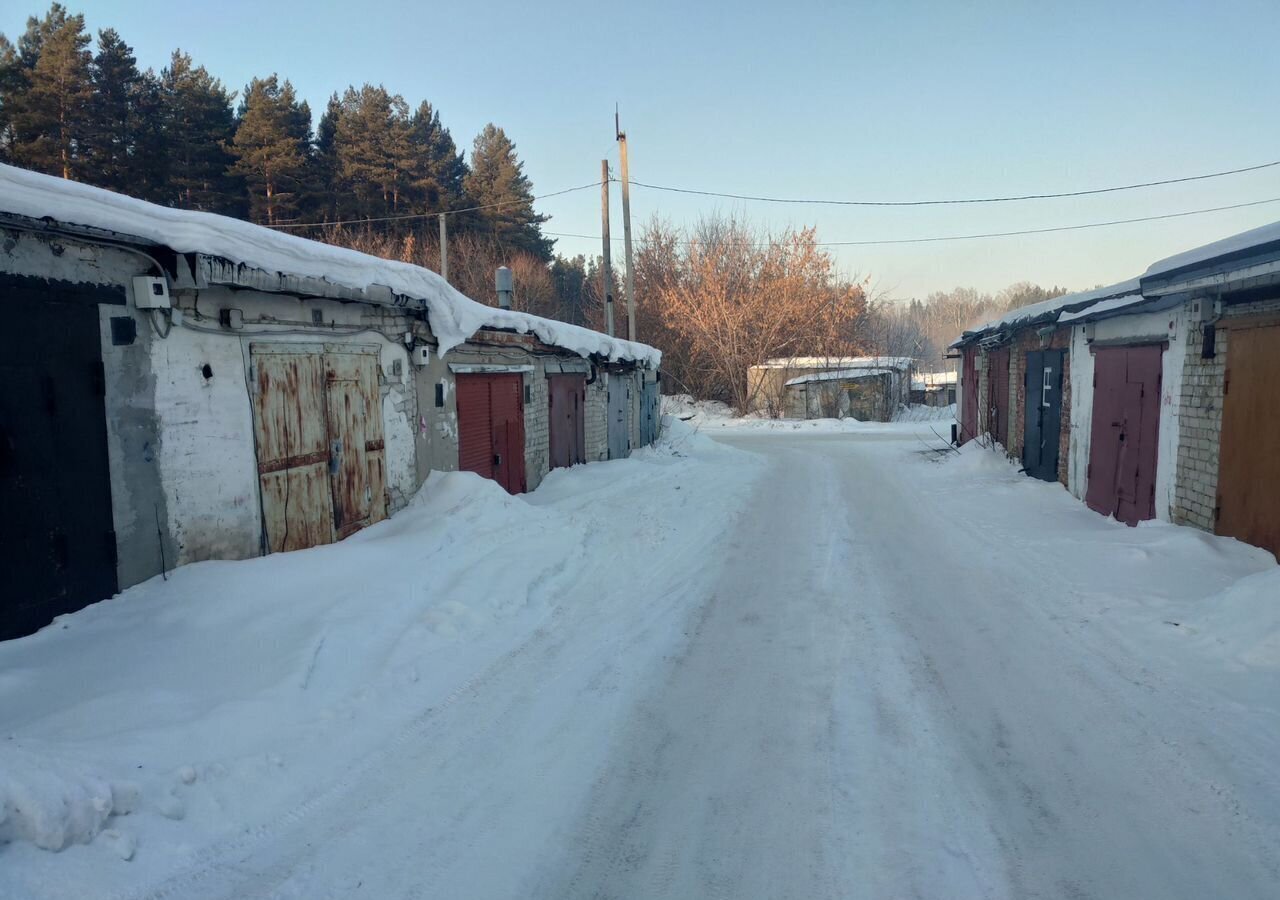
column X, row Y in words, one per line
column 878, row 100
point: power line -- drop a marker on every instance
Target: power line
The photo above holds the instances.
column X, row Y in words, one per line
column 958, row 201
column 990, row 234
column 449, row 212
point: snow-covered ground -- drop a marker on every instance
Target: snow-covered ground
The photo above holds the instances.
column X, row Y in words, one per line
column 780, row 663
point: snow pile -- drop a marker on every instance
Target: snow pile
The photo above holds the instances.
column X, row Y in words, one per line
column 218, row 705
column 54, row 804
column 1240, row 625
column 453, row 317
column 920, row 412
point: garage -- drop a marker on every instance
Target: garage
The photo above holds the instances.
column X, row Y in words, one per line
column 57, row 546
column 318, row 432
column 1125, row 433
column 1042, row 414
column 1248, row 504
column 491, row 427
column 567, row 443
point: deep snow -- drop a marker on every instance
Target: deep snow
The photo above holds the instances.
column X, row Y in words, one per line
column 822, row 662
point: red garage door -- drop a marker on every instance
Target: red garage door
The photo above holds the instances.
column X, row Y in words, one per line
column 491, row 428
column 1125, row 433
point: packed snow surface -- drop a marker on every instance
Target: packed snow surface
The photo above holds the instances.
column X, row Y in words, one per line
column 783, row 663
column 453, row 317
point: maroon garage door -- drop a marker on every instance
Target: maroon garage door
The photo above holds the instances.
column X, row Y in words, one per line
column 1126, row 432
column 567, row 440
column 998, row 395
column 969, row 388
column 491, row 428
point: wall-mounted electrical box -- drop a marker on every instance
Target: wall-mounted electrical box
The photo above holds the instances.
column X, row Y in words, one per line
column 421, row 356
column 150, row 292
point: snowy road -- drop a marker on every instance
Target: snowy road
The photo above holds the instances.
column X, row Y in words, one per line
column 871, row 679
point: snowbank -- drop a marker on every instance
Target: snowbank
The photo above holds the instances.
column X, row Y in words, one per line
column 211, row 706
column 453, row 317
column 1241, row 625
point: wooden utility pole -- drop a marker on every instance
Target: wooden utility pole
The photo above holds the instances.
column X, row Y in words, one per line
column 630, row 285
column 606, row 271
column 444, row 249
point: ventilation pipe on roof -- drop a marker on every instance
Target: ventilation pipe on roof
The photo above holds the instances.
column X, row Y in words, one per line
column 503, row 282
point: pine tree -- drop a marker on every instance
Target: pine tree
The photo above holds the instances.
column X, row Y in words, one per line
column 199, row 124
column 11, row 83
column 497, row 181
column 49, row 114
column 272, row 148
column 439, row 167
column 109, row 149
column 322, row 205
column 375, row 155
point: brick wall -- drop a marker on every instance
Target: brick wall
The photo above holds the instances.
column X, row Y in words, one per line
column 597, row 420
column 1029, row 339
column 1195, row 493
column 537, row 428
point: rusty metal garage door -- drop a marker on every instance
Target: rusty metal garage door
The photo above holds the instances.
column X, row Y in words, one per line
column 491, row 428
column 318, row 429
column 1125, row 433
column 567, row 399
column 1249, row 457
column 650, row 413
column 57, row 547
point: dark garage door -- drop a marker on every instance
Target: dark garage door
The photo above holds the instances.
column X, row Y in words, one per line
column 1249, row 460
column 57, row 547
column 1042, row 418
column 491, row 428
column 1125, row 434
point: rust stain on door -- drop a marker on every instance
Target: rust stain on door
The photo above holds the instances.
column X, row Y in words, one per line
column 318, row 428
column 292, row 437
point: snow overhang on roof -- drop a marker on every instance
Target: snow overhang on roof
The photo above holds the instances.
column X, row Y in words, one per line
column 1245, row 261
column 290, row 263
column 1046, row 312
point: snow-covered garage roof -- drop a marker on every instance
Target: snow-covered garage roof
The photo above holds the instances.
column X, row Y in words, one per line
column 453, row 316
column 841, row 375
column 837, row 362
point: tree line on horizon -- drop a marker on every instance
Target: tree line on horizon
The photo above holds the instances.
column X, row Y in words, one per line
column 717, row 296
column 181, row 138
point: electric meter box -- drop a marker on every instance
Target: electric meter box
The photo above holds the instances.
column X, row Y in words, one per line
column 150, row 292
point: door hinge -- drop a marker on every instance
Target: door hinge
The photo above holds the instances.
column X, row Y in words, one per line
column 1226, row 384
column 1217, row 513
column 1088, row 471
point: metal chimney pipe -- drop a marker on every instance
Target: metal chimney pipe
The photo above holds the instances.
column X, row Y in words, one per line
column 503, row 282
